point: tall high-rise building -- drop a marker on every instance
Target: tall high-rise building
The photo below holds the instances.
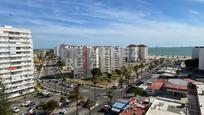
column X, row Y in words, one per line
column 201, row 58
column 133, row 53
column 137, row 52
column 143, row 52
column 195, row 52
column 16, row 61
column 82, row 59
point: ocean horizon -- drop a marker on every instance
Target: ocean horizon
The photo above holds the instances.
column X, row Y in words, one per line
column 171, row 51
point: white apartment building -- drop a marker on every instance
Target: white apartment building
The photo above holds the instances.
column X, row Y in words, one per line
column 133, row 52
column 201, row 58
column 84, row 58
column 105, row 58
column 143, row 52
column 137, row 52
column 118, row 57
column 16, row 61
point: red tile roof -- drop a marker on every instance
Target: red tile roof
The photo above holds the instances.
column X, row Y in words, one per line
column 175, row 87
column 128, row 111
column 189, row 80
column 157, row 85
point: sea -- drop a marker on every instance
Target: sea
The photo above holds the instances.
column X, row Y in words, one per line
column 171, row 51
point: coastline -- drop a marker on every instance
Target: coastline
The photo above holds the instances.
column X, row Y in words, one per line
column 169, row 57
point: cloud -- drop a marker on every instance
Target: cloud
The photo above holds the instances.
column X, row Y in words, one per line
column 88, row 22
column 194, row 12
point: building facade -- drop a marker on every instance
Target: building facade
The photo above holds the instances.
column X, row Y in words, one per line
column 201, row 58
column 133, row 52
column 143, row 52
column 84, row 58
column 137, row 52
column 195, row 52
column 198, row 53
column 16, row 61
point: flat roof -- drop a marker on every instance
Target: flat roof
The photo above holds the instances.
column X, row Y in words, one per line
column 200, row 91
column 164, row 106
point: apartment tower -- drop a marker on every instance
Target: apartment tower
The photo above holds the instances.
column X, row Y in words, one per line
column 16, row 61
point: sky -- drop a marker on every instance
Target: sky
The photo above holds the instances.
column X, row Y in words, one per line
column 156, row 23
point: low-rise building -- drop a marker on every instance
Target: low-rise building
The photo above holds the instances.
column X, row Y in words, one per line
column 164, row 106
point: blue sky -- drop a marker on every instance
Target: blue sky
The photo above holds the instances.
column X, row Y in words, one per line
column 167, row 23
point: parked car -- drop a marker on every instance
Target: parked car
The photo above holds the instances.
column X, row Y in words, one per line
column 15, row 109
column 61, row 112
column 30, row 110
column 31, row 104
column 26, row 103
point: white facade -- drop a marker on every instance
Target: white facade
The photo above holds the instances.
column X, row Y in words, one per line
column 16, row 60
column 137, row 52
column 201, row 58
column 133, row 52
column 82, row 59
column 105, row 58
column 143, row 52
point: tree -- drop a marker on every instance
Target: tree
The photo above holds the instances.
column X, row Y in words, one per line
column 118, row 72
column 76, row 95
column 52, row 104
column 141, row 66
column 121, row 81
column 49, row 106
column 89, row 105
column 38, row 68
column 110, row 96
column 62, row 99
column 136, row 70
column 137, row 91
column 96, row 73
column 109, row 77
column 60, row 66
column 4, row 104
column 43, row 106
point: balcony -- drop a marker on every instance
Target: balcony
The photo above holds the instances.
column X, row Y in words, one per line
column 4, row 65
column 4, row 50
column 3, row 39
column 19, row 88
column 4, row 71
column 4, row 61
column 4, row 45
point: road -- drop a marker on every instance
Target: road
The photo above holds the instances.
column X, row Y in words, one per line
column 89, row 91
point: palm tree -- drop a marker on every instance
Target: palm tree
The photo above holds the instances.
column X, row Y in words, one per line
column 110, row 96
column 109, row 77
column 89, row 105
column 136, row 67
column 76, row 95
column 141, row 66
column 126, row 75
column 96, row 73
column 38, row 68
column 59, row 67
column 4, row 103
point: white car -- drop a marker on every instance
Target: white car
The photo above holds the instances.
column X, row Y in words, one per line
column 26, row 103
column 61, row 112
column 15, row 109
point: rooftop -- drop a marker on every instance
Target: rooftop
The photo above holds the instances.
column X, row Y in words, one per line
column 163, row 106
column 157, row 85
